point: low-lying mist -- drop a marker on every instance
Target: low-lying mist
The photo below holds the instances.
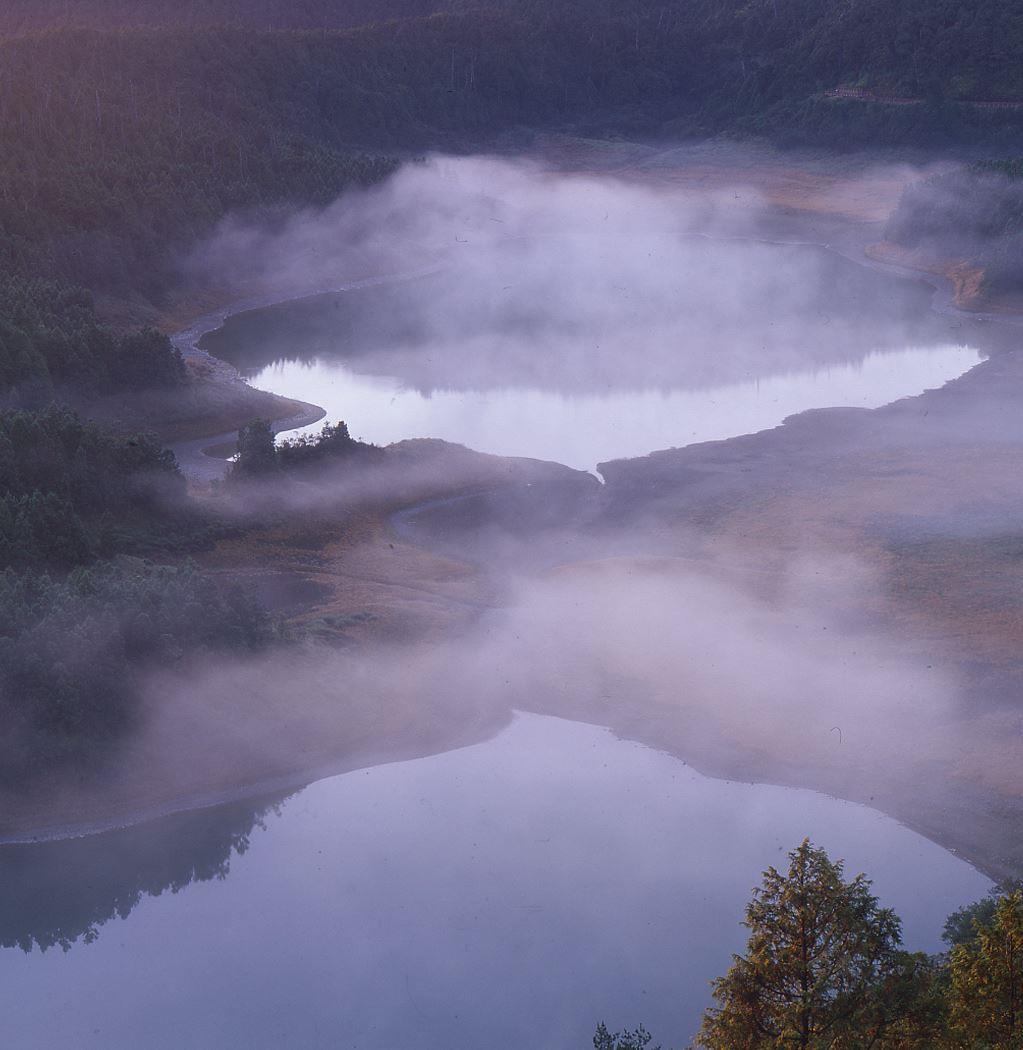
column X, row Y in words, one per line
column 784, row 675
column 519, row 277
column 508, row 275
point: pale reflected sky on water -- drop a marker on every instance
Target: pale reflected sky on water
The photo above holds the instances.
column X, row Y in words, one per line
column 509, row 894
column 582, row 430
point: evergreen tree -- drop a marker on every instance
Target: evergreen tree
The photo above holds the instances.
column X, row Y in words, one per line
column 823, row 967
column 986, row 995
column 962, row 926
column 626, row 1040
column 257, row 454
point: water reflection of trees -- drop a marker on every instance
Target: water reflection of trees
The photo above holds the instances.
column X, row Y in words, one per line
column 396, row 330
column 58, row 893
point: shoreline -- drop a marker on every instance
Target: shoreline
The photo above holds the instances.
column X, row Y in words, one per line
column 289, row 785
column 286, row 784
column 719, row 768
column 194, row 454
column 197, row 459
column 699, row 759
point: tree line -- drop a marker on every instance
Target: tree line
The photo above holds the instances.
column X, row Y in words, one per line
column 125, row 135
column 94, row 591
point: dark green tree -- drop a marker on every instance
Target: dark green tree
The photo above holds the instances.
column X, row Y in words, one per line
column 962, row 925
column 624, row 1040
column 986, row 994
column 257, row 453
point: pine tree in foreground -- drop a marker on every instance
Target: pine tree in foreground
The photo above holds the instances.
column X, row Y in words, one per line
column 823, row 967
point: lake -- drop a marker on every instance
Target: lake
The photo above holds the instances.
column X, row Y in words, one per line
column 509, row 894
column 519, row 891
column 642, row 362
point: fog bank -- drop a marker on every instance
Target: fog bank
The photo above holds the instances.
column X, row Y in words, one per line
column 516, row 276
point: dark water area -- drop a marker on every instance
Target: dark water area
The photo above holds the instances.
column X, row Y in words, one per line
column 509, row 894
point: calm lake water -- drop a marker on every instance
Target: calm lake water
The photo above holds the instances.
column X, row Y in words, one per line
column 509, row 894
column 622, row 372
column 583, row 430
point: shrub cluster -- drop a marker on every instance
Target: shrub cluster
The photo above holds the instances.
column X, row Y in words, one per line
column 260, row 456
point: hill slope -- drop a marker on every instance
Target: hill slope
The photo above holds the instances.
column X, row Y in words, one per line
column 124, row 140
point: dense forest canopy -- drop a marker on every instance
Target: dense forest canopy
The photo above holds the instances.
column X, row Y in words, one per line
column 71, row 492
column 20, row 17
column 914, row 47
column 82, row 617
column 75, row 650
column 117, row 151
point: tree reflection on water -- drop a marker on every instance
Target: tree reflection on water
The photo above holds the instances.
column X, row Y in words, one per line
column 59, row 893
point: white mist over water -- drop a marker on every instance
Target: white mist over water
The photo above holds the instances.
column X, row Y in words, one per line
column 587, row 428
column 568, row 317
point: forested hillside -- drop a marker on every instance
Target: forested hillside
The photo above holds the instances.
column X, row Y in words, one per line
column 116, row 152
column 82, row 618
column 127, row 130
column 974, row 213
column 915, row 48
column 28, row 16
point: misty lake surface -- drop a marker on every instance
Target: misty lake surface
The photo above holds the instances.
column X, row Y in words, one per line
column 509, row 894
column 644, row 363
column 583, row 430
